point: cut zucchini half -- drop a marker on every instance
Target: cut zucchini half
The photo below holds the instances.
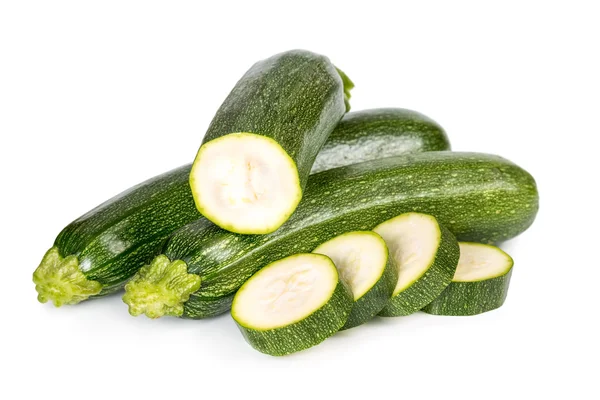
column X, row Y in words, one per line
column 245, row 183
column 363, row 263
column 292, row 304
column 426, row 255
column 480, row 283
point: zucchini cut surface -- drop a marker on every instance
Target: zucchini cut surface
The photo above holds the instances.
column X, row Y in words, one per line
column 480, row 283
column 480, row 262
column 245, row 183
column 362, row 260
column 292, row 304
column 426, row 255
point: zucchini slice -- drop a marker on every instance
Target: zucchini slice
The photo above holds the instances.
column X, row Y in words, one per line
column 426, row 255
column 480, row 283
column 363, row 262
column 256, row 156
column 292, row 304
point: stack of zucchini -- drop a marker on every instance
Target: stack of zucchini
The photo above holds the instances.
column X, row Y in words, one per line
column 302, row 218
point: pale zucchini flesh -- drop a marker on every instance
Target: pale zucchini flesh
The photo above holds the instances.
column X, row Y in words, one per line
column 363, row 262
column 480, row 283
column 245, row 183
column 426, row 255
column 292, row 304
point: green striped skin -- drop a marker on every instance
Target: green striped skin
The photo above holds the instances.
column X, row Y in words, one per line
column 296, row 98
column 478, row 197
column 372, row 302
column 306, row 333
column 433, row 282
column 462, row 298
column 204, row 307
column 378, row 133
column 471, row 298
column 115, row 239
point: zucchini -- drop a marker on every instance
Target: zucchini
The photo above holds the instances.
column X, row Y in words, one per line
column 425, row 254
column 378, row 133
column 363, row 262
column 256, row 156
column 480, row 283
column 98, row 252
column 292, row 304
column 478, row 197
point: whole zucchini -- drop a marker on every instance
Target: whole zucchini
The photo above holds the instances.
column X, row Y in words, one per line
column 98, row 252
column 252, row 167
column 478, row 197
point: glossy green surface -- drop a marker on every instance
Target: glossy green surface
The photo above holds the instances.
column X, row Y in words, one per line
column 378, row 133
column 478, row 197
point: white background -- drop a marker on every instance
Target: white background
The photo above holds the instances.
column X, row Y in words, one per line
column 98, row 96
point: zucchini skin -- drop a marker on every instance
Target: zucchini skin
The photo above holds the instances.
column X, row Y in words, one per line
column 378, row 133
column 296, row 98
column 369, row 305
column 471, row 298
column 478, row 197
column 433, row 282
column 115, row 239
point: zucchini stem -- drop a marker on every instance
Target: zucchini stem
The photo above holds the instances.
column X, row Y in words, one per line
column 348, row 86
column 160, row 288
column 61, row 281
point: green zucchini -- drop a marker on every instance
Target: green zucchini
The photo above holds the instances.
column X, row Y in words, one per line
column 98, row 252
column 363, row 261
column 480, row 283
column 378, row 133
column 292, row 304
column 256, row 156
column 425, row 254
column 478, row 197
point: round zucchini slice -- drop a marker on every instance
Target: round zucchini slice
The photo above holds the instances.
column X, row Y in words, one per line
column 480, row 283
column 426, row 255
column 292, row 304
column 245, row 183
column 362, row 260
